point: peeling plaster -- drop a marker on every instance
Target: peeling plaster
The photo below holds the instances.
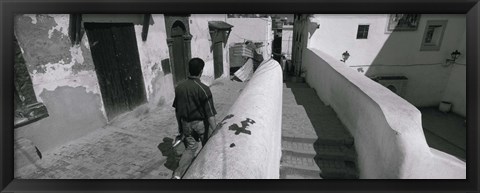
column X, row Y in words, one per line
column 201, row 44
column 63, row 76
column 62, row 25
column 33, row 17
column 37, row 45
column 152, row 52
column 76, row 52
column 85, row 42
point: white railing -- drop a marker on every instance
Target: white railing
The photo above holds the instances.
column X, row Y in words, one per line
column 387, row 129
column 248, row 143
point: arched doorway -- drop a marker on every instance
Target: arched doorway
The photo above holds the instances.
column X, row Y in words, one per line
column 179, row 46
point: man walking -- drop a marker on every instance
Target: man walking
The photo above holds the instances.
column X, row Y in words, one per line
column 195, row 113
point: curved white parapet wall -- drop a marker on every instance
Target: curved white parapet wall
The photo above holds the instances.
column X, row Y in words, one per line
column 248, row 143
column 387, row 129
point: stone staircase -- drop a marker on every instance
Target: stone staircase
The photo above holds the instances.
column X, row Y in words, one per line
column 315, row 143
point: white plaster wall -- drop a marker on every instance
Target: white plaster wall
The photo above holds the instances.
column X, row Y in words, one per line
column 254, row 29
column 56, row 66
column 63, row 78
column 254, row 156
column 456, row 89
column 391, row 53
column 151, row 52
column 287, row 40
column 202, row 44
column 337, row 34
column 59, row 73
column 387, row 129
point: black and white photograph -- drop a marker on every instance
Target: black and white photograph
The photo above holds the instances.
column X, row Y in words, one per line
column 240, row 96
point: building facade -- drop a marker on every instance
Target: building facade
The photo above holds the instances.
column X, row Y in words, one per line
column 386, row 50
column 86, row 70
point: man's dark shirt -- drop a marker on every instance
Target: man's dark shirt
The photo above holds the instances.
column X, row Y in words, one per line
column 193, row 100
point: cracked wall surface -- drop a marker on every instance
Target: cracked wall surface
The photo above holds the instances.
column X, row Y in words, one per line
column 64, row 77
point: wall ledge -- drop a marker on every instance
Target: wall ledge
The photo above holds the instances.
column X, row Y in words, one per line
column 247, row 144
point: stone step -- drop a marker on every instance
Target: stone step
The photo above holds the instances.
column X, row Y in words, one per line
column 337, row 169
column 295, row 85
column 344, row 140
column 299, row 139
column 298, row 149
column 346, row 153
column 296, row 123
column 303, row 163
column 300, row 177
column 300, row 169
column 294, row 79
column 322, row 169
column 293, row 173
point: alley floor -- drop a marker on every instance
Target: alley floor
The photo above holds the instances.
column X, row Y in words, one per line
column 446, row 132
column 315, row 143
column 136, row 145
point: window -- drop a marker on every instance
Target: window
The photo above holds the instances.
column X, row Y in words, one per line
column 362, row 32
column 432, row 38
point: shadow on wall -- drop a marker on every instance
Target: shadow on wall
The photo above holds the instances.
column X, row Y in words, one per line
column 418, row 75
column 245, row 123
column 82, row 117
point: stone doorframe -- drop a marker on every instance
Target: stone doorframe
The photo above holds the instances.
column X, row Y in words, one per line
column 187, row 37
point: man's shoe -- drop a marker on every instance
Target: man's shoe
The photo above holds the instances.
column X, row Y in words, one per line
column 176, row 178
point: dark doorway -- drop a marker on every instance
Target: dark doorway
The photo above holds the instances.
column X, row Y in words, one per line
column 218, row 59
column 117, row 63
column 277, row 46
column 179, row 63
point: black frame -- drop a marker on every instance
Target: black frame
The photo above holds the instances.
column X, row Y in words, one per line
column 10, row 7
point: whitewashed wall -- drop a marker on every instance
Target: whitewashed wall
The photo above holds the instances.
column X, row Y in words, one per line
column 387, row 129
column 287, row 40
column 456, row 89
column 202, row 44
column 394, row 53
column 64, row 76
column 255, row 29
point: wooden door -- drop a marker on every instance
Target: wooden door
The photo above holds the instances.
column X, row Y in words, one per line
column 117, row 64
column 218, row 59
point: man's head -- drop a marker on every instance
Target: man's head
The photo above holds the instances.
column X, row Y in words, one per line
column 195, row 66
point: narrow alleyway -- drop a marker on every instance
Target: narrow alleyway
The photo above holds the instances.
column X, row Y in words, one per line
column 136, row 145
column 315, row 144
